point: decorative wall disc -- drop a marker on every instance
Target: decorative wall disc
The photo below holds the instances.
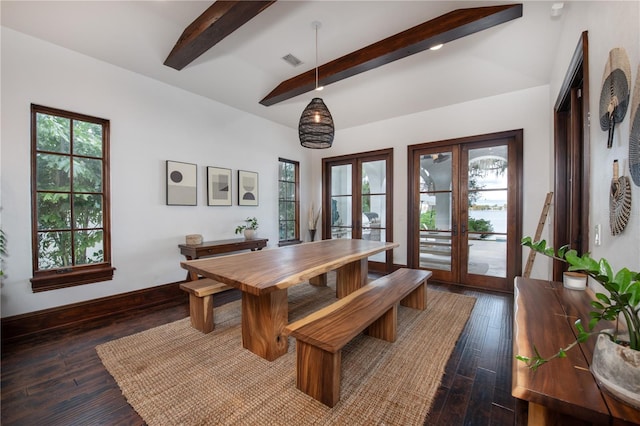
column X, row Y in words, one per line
column 614, row 96
column 634, row 133
column 619, row 204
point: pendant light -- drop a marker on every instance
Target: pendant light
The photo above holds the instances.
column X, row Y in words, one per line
column 316, row 124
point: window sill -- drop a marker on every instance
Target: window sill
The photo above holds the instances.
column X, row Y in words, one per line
column 289, row 243
column 52, row 280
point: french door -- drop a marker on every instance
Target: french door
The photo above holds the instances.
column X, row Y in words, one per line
column 357, row 200
column 464, row 209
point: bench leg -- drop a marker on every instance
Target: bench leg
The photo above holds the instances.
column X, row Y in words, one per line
column 385, row 327
column 318, row 373
column 201, row 313
column 417, row 299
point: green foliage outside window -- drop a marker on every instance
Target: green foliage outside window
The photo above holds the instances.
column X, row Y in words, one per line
column 366, row 197
column 480, row 225
column 69, row 186
column 428, row 219
column 287, row 202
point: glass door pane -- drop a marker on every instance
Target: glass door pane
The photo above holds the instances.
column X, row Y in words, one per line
column 374, row 203
column 341, row 201
column 436, row 228
column 486, row 230
column 465, row 216
column 357, row 201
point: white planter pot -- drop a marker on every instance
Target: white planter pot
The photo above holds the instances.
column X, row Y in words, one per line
column 575, row 280
column 250, row 234
column 617, row 370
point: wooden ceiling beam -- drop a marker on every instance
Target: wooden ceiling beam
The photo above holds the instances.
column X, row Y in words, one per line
column 443, row 29
column 217, row 22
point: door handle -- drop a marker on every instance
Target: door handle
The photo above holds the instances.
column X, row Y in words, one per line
column 464, row 229
column 454, row 230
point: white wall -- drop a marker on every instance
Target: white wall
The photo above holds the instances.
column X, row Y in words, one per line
column 526, row 109
column 150, row 123
column 609, row 25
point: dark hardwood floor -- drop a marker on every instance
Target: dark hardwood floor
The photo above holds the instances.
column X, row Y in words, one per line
column 56, row 378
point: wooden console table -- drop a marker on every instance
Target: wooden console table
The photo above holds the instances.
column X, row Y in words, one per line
column 563, row 391
column 212, row 248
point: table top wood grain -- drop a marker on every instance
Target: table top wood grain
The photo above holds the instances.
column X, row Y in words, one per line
column 260, row 272
column 545, row 313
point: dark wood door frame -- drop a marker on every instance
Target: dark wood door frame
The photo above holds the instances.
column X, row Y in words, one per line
column 572, row 157
column 357, row 159
column 514, row 231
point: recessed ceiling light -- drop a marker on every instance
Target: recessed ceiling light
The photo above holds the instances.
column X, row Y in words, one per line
column 436, row 47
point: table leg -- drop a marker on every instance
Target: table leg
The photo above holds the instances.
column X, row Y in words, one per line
column 190, row 275
column 351, row 277
column 263, row 319
column 319, row 281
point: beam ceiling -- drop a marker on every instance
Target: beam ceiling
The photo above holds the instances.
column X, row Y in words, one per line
column 217, row 22
column 443, row 29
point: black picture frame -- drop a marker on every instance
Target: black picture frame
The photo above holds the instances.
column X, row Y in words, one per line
column 247, row 188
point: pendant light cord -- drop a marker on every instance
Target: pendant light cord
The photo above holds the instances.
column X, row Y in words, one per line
column 316, row 25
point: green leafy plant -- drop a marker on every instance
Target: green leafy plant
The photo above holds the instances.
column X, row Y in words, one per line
column 622, row 301
column 480, row 225
column 428, row 219
column 251, row 223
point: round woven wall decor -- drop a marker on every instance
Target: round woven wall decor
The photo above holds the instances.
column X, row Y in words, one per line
column 619, row 204
column 634, row 133
column 614, row 95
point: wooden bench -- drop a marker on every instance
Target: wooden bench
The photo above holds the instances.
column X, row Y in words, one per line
column 373, row 309
column 201, row 302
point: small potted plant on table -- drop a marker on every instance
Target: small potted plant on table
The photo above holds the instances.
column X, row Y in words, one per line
column 250, row 229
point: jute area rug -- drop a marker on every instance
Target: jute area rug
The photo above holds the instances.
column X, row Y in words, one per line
column 175, row 375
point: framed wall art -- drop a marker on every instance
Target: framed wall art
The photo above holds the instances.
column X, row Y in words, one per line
column 182, row 184
column 218, row 186
column 247, row 188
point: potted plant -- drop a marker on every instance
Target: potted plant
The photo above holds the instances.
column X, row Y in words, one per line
column 249, row 229
column 616, row 356
column 313, row 221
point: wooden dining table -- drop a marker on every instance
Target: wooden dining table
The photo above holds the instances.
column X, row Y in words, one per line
column 264, row 276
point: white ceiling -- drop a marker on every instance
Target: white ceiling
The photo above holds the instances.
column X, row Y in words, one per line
column 247, row 65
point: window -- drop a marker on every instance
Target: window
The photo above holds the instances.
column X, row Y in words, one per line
column 289, row 201
column 70, row 199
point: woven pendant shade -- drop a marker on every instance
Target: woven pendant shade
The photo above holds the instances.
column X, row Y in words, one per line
column 316, row 126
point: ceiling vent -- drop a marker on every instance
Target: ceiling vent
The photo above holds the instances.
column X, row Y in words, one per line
column 292, row 60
